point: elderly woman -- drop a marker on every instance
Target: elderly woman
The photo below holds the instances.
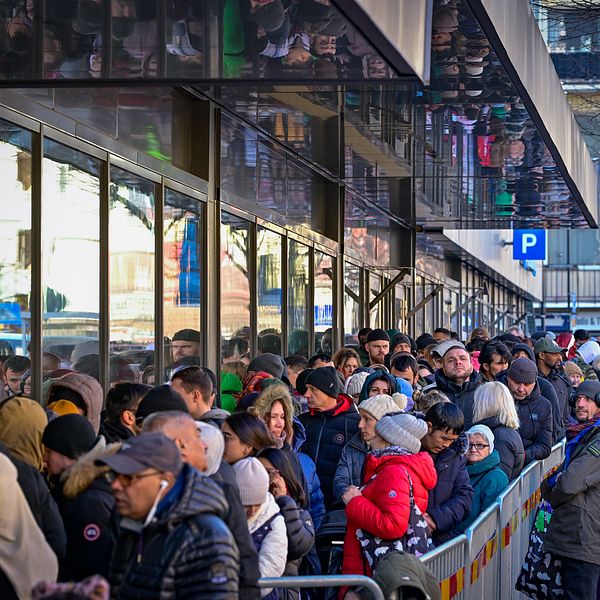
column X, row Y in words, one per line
column 487, row 478
column 493, row 406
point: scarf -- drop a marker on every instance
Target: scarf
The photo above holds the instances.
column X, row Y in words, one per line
column 574, row 430
column 391, row 451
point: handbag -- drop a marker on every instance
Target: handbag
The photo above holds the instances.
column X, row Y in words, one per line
column 540, row 576
column 417, row 539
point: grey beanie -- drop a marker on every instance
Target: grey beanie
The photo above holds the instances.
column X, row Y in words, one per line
column 382, row 404
column 354, row 383
column 269, row 363
column 523, row 370
column 402, row 430
column 252, row 480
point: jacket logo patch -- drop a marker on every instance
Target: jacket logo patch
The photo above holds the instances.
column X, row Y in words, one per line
column 91, row 532
column 339, row 438
column 392, row 493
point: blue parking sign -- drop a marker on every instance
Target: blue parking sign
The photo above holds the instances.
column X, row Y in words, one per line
column 529, row 244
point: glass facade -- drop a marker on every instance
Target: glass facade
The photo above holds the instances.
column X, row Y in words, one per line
column 299, row 298
column 323, row 303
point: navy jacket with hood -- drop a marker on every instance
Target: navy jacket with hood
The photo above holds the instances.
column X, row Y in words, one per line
column 451, row 499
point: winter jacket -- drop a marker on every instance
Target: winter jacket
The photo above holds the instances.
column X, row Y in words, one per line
column 215, row 416
column 41, row 504
column 238, row 525
column 383, row 508
column 509, row 445
column 273, row 547
column 461, row 395
column 231, row 388
column 378, row 374
column 313, row 488
column 452, row 497
column 563, row 388
column 327, row 433
column 488, row 481
column 89, row 390
column 574, row 529
column 300, row 536
column 185, row 552
column 115, row 432
column 350, row 468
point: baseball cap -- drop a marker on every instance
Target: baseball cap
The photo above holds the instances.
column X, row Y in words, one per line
column 149, row 450
column 444, row 347
column 546, row 345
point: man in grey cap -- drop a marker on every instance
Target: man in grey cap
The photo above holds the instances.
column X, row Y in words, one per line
column 574, row 492
column 172, row 540
column 548, row 359
column 534, row 410
column 456, row 378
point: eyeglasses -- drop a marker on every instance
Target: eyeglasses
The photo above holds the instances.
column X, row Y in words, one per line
column 479, row 447
column 126, row 480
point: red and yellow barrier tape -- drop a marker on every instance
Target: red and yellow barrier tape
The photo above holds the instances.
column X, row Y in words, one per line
column 509, row 530
column 483, row 558
column 453, row 585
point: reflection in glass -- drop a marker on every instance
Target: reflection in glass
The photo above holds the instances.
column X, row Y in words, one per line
column 131, row 244
column 298, row 298
column 71, row 256
column 269, row 312
column 235, row 288
column 182, row 268
column 352, row 311
column 323, row 301
column 374, row 289
column 15, row 239
column 428, row 310
column 400, row 307
column 419, row 314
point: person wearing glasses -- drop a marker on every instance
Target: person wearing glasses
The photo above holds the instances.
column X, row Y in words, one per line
column 82, row 494
column 487, row 477
column 172, row 539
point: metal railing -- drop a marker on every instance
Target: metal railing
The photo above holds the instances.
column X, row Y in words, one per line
column 323, row 581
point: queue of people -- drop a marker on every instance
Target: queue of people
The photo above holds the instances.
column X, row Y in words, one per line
column 397, row 445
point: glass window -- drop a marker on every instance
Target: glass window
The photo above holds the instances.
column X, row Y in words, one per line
column 235, row 288
column 323, row 303
column 419, row 325
column 15, row 240
column 71, row 257
column 374, row 289
column 268, row 267
column 352, row 304
column 182, row 275
column 131, row 266
column 400, row 307
column 298, row 298
column 429, row 311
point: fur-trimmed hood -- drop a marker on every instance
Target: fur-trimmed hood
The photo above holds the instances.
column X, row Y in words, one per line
column 273, row 393
column 80, row 475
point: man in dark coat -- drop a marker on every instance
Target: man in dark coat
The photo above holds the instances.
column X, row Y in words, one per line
column 456, row 378
column 451, row 499
column 331, row 422
column 535, row 411
column 172, row 540
column 574, row 492
column 82, row 494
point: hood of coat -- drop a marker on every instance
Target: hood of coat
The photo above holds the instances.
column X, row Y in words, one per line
column 483, row 466
column 214, row 413
column 230, row 384
column 201, row 495
column 89, row 389
column 523, row 348
column 491, row 422
column 268, row 508
column 278, row 392
column 357, row 443
column 299, row 434
column 379, row 374
column 418, row 465
column 80, row 475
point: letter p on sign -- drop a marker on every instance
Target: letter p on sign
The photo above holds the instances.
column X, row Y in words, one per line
column 529, row 244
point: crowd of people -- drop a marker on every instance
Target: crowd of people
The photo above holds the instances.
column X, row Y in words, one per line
column 330, row 464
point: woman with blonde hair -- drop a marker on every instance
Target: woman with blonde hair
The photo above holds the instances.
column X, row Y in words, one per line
column 494, row 407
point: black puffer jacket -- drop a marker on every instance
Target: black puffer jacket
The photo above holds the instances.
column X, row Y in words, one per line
column 186, row 553
column 461, row 395
column 301, row 539
column 326, row 435
column 563, row 388
column 535, row 416
column 509, row 444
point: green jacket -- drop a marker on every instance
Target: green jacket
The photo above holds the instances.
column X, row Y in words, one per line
column 488, row 481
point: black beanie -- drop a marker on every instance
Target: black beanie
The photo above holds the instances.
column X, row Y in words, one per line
column 378, row 335
column 159, row 399
column 301, row 381
column 589, row 388
column 326, row 380
column 70, row 435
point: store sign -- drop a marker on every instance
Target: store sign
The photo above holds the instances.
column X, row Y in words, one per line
column 529, row 244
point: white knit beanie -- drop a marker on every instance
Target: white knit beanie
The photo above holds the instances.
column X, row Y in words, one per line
column 354, row 383
column 486, row 432
column 382, row 404
column 402, row 430
column 252, row 479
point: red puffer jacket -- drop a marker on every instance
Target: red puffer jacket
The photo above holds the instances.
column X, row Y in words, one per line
column 383, row 508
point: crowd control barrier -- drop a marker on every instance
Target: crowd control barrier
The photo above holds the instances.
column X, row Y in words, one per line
column 323, row 581
column 486, row 561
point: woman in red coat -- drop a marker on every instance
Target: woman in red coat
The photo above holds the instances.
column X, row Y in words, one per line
column 382, row 506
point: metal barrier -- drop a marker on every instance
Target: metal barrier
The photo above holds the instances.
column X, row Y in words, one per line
column 323, row 581
column 448, row 563
column 510, row 539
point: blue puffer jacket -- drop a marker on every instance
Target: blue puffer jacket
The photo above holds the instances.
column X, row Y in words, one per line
column 313, row 489
column 451, row 499
column 350, row 468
